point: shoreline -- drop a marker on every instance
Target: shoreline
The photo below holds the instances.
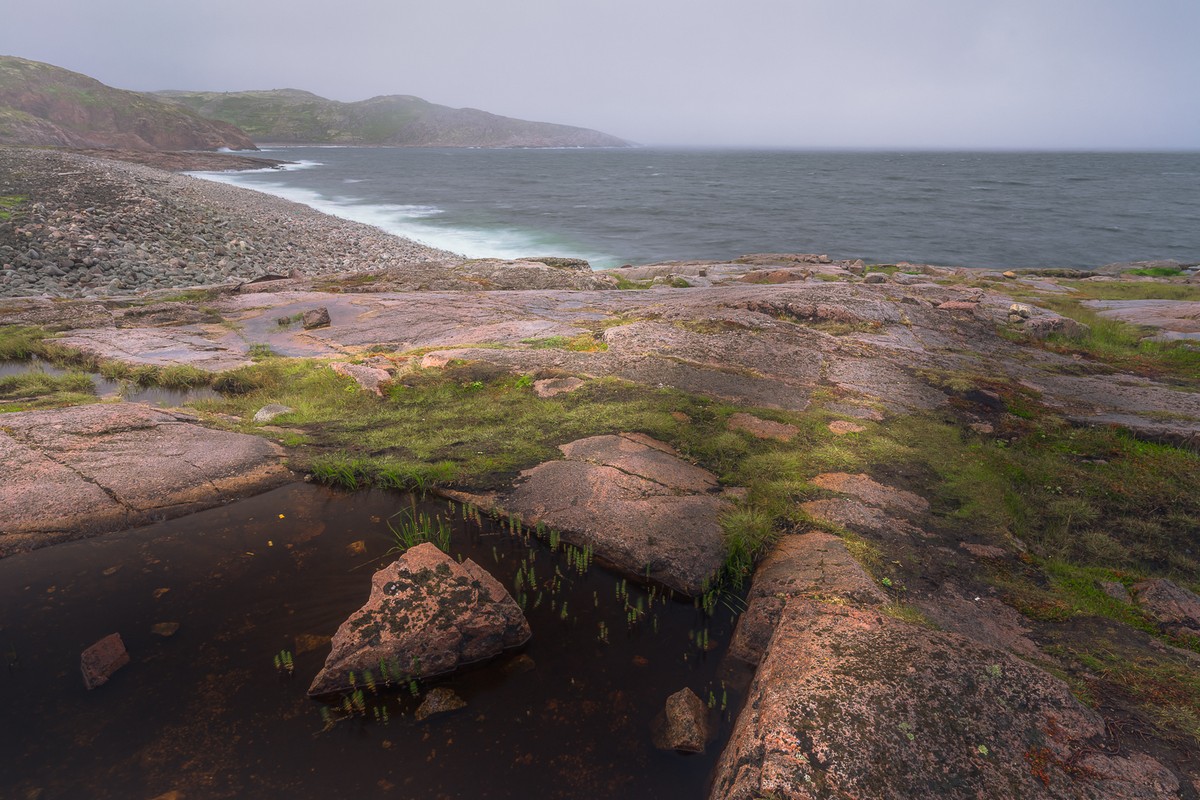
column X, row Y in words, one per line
column 85, row 226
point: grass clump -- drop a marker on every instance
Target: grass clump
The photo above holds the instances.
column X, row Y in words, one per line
column 583, row 343
column 9, row 203
column 36, row 389
column 1156, row 272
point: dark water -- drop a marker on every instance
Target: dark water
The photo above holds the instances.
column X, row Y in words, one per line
column 642, row 205
column 206, row 713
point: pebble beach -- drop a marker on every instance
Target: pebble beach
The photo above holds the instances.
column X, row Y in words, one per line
column 75, row 225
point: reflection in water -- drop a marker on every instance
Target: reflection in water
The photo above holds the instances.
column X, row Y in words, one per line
column 105, row 388
column 206, row 711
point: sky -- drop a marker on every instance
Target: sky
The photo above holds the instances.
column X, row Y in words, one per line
column 1010, row 74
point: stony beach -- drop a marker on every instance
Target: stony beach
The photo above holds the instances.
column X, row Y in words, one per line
column 88, row 226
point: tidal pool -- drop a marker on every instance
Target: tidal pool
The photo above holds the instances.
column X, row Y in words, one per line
column 105, row 388
column 205, row 712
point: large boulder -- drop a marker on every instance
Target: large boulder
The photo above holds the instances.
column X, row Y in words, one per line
column 427, row 615
column 635, row 502
column 851, row 703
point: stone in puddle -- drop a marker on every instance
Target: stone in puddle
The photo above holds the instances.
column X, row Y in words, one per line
column 102, row 659
column 164, row 629
column 683, row 725
column 315, row 318
column 427, row 615
column 439, row 701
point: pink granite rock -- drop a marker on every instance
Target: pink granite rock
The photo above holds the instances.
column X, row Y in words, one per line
column 427, row 615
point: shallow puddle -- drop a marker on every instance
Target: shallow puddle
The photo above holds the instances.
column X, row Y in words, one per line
column 129, row 392
column 205, row 711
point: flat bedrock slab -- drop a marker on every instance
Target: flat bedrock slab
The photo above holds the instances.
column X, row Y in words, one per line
column 872, row 492
column 762, row 428
column 427, row 615
column 851, row 703
column 635, row 502
column 72, row 472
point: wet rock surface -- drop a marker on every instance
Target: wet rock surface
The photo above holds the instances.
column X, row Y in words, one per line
column 635, row 502
column 427, row 615
column 683, row 724
column 80, row 471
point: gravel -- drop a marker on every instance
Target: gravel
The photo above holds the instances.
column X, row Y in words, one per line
column 96, row 227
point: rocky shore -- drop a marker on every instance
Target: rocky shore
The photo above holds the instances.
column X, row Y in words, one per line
column 78, row 226
column 967, row 501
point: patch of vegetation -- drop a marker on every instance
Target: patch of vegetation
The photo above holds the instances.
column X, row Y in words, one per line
column 625, row 283
column 9, row 203
column 1156, row 272
column 37, row 389
column 583, row 343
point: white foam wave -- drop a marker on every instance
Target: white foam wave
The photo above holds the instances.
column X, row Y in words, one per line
column 415, row 222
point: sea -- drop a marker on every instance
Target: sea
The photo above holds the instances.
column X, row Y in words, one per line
column 644, row 205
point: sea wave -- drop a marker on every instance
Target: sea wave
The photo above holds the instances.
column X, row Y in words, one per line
column 417, row 222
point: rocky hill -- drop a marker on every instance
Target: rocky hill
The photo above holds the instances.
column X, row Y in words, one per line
column 41, row 104
column 292, row 116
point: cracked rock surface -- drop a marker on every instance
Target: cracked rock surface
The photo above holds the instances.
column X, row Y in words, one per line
column 74, row 472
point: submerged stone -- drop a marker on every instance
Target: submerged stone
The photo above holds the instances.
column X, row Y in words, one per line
column 102, row 659
column 439, row 701
column 427, row 615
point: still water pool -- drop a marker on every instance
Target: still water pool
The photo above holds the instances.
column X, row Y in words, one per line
column 205, row 713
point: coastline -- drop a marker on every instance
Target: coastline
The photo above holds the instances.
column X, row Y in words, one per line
column 86, row 226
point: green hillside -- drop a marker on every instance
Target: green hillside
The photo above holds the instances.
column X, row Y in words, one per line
column 41, row 104
column 294, row 117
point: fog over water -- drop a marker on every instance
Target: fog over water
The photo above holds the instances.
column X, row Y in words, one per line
column 1026, row 74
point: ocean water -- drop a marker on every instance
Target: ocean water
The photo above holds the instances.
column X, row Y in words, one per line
column 638, row 206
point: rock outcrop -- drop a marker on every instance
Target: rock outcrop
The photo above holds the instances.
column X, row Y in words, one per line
column 74, row 472
column 427, row 615
column 635, row 502
column 850, row 703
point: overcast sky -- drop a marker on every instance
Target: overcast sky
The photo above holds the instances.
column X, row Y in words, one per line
column 1081, row 74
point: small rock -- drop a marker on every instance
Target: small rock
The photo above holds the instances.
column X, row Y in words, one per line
column 1114, row 589
column 270, row 412
column 1009, row 274
column 761, row 428
column 102, row 659
column 308, row 642
column 315, row 318
column 1021, row 310
column 164, row 629
column 356, row 548
column 1172, row 606
column 684, row 724
column 520, row 665
column 983, row 428
column 841, row 427
column 439, row 701
column 875, row 277
column 958, row 305
column 369, row 378
column 555, row 386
